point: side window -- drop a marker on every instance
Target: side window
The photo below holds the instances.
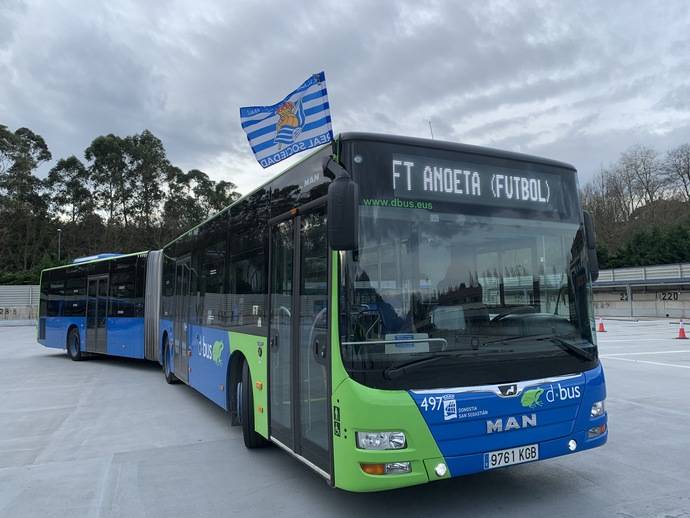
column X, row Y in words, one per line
column 43, row 304
column 213, row 273
column 75, row 293
column 247, row 265
column 123, row 288
column 56, row 293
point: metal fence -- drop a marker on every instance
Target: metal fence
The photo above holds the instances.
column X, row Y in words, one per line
column 18, row 303
column 645, row 273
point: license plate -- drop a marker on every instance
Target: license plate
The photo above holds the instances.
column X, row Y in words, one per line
column 500, row 458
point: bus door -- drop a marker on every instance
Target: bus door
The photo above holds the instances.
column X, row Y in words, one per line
column 180, row 331
column 298, row 337
column 96, row 313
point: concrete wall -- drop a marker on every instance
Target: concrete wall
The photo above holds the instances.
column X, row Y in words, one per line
column 19, row 304
column 19, row 313
column 649, row 301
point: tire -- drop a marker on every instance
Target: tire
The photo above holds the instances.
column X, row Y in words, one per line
column 74, row 345
column 246, row 413
column 170, row 378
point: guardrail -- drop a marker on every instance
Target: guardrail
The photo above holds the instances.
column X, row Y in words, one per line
column 19, row 304
column 645, row 273
column 19, row 296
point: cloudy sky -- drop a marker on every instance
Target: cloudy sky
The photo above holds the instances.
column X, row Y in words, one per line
column 574, row 81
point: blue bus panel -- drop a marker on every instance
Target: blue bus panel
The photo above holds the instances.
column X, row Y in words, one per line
column 125, row 337
column 56, row 331
column 468, row 422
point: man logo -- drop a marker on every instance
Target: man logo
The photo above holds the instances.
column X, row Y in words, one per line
column 511, row 423
column 508, row 390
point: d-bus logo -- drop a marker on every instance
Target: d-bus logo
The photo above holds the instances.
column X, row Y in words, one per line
column 213, row 352
column 560, row 393
column 531, row 398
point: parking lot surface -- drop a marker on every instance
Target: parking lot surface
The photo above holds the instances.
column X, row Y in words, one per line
column 107, row 437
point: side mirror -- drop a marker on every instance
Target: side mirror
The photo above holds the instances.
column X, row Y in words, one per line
column 343, row 207
column 591, row 242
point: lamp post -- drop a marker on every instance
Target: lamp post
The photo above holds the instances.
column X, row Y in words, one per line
column 59, row 242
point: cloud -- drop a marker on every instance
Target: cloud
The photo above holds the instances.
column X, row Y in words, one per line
column 575, row 82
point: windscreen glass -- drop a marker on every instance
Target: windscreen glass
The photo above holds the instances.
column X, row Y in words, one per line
column 461, row 280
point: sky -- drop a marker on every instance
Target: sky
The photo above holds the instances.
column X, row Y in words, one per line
column 578, row 82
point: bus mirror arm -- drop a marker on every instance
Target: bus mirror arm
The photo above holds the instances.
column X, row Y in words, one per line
column 343, row 207
column 591, row 243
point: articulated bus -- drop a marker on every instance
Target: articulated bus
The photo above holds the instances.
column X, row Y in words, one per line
column 102, row 304
column 390, row 311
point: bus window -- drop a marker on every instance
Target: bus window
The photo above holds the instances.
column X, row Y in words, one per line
column 75, row 293
column 56, row 293
column 247, row 265
column 123, row 288
column 213, row 271
column 43, row 305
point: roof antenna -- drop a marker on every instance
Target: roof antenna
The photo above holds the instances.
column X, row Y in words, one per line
column 431, row 130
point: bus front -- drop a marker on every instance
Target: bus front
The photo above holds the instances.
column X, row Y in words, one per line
column 465, row 322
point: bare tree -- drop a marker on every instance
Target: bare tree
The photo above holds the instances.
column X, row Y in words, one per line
column 641, row 170
column 677, row 170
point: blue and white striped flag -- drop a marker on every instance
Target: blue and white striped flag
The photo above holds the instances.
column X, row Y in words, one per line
column 299, row 122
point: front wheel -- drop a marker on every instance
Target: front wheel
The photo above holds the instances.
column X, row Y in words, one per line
column 170, row 378
column 74, row 345
column 246, row 415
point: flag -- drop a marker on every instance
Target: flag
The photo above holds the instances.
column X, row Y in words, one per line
column 301, row 121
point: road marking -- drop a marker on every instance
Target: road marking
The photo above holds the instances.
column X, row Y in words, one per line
column 632, row 339
column 644, row 353
column 652, row 363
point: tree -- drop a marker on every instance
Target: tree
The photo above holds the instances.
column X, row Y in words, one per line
column 147, row 167
column 126, row 197
column 22, row 198
column 640, row 166
column 7, row 144
column 224, row 194
column 181, row 210
column 677, row 169
column 108, row 172
column 69, row 183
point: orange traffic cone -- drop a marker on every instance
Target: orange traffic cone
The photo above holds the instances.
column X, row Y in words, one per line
column 600, row 327
column 681, row 331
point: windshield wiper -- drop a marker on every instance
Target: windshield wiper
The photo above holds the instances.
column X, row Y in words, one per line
column 564, row 344
column 395, row 371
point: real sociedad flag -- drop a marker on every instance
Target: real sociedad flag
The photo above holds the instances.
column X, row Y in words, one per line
column 300, row 121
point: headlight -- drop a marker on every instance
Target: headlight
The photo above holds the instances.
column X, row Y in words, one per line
column 597, row 409
column 380, row 440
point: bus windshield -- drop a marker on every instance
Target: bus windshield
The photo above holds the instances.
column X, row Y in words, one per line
column 446, row 299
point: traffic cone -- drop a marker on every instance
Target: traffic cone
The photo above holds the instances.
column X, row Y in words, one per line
column 600, row 327
column 681, row 331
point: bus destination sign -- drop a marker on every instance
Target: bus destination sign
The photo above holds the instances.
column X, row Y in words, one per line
column 432, row 179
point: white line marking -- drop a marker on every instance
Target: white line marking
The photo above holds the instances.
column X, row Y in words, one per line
column 652, row 363
column 632, row 339
column 644, row 353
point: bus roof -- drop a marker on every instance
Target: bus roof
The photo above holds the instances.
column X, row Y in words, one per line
column 99, row 260
column 452, row 146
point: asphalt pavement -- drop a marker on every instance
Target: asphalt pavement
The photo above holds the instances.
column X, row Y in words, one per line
column 107, row 437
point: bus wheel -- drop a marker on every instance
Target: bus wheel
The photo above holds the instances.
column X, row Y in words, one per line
column 74, row 345
column 170, row 378
column 246, row 407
